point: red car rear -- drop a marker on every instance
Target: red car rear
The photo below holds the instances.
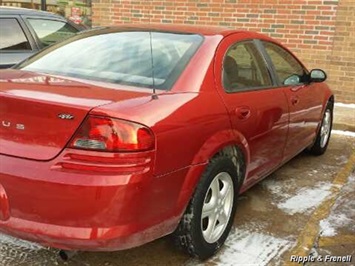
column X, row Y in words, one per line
column 119, row 136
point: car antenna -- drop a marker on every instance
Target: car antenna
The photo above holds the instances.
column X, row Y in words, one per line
column 154, row 95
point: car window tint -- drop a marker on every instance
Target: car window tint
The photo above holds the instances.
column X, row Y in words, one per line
column 243, row 67
column 120, row 57
column 288, row 69
column 12, row 36
column 51, row 31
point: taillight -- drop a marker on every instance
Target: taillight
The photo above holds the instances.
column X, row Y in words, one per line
column 110, row 134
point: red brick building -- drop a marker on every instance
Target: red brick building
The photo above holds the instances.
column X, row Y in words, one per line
column 320, row 32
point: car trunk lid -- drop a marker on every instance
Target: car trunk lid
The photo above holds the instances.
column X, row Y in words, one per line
column 40, row 113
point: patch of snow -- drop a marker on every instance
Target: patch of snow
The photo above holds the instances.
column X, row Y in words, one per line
column 306, row 199
column 251, row 248
column 247, row 248
column 351, row 178
column 273, row 186
column 344, row 133
column 329, row 226
column 346, row 105
column 343, row 212
column 326, row 228
column 278, row 188
column 14, row 251
column 342, row 159
column 11, row 241
column 313, row 173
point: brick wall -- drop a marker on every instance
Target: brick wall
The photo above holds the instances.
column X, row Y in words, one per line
column 320, row 32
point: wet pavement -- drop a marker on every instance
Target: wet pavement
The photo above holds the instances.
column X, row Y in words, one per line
column 306, row 205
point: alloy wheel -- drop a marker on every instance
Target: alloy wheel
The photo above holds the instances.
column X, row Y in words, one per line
column 217, row 207
column 325, row 129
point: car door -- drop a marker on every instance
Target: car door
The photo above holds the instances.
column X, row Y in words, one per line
column 257, row 108
column 16, row 43
column 304, row 103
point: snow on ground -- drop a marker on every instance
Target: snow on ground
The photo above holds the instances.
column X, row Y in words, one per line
column 14, row 251
column 343, row 212
column 278, row 188
column 251, row 248
column 329, row 226
column 326, row 228
column 248, row 249
column 306, row 199
column 303, row 200
column 18, row 243
column 344, row 133
column 346, row 105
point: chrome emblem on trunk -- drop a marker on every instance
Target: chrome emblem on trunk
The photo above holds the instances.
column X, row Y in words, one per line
column 20, row 126
column 66, row 116
column 5, row 123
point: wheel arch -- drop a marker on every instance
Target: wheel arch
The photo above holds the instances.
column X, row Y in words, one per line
column 221, row 141
column 229, row 143
column 327, row 97
column 235, row 153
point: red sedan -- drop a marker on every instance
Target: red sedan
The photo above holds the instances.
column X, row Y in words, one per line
column 119, row 136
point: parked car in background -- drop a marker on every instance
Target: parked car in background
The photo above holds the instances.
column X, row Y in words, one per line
column 24, row 32
column 118, row 136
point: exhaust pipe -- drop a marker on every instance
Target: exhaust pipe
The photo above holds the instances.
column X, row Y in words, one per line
column 66, row 255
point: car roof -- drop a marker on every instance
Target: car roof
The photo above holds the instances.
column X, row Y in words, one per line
column 173, row 28
column 7, row 10
column 192, row 29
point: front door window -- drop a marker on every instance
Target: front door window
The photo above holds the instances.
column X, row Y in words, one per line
column 288, row 70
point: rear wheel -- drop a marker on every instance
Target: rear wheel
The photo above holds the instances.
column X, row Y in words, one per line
column 209, row 216
column 323, row 136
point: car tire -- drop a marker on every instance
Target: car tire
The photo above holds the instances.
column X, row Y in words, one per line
column 209, row 216
column 322, row 140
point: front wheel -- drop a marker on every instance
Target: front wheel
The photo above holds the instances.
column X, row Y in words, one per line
column 209, row 216
column 323, row 136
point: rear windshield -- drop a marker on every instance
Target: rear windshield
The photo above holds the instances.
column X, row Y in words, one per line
column 120, row 57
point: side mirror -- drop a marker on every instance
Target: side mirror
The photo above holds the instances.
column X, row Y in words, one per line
column 317, row 75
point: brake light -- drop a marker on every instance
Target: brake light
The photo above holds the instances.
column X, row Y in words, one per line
column 110, row 134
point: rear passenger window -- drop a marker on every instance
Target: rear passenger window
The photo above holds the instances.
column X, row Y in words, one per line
column 12, row 36
column 244, row 68
column 51, row 31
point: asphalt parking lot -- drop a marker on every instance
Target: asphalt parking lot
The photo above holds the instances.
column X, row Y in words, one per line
column 305, row 207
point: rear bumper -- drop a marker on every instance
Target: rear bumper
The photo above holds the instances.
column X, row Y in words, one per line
column 89, row 239
column 99, row 204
